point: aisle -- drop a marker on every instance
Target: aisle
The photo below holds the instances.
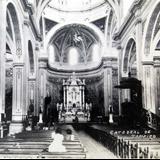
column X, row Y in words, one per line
column 94, row 149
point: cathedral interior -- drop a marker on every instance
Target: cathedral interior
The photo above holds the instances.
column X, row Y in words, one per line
column 84, row 65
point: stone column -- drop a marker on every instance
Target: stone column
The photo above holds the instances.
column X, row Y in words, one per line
column 42, row 84
column 107, row 88
column 149, row 86
column 18, row 99
column 120, row 53
column 37, row 51
column 157, row 85
column 2, row 54
column 139, row 38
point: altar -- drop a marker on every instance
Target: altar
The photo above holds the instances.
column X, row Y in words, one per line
column 74, row 107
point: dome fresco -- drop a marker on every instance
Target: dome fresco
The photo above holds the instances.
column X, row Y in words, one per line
column 75, row 5
column 75, row 45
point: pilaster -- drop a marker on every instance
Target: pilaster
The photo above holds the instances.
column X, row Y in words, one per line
column 107, row 86
column 2, row 54
column 18, row 99
column 149, row 86
column 139, row 38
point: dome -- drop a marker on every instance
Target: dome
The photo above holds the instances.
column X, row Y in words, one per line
column 74, row 46
column 75, row 5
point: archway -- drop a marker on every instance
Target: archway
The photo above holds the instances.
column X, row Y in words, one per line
column 129, row 67
column 152, row 29
column 16, row 30
column 151, row 70
column 129, row 61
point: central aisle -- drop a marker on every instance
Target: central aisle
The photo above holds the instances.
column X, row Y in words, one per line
column 94, row 149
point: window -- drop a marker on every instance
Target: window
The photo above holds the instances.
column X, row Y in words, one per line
column 96, row 53
column 51, row 54
column 73, row 56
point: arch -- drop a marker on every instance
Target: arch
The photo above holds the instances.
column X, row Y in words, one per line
column 91, row 27
column 16, row 26
column 10, row 43
column 129, row 56
column 44, row 3
column 31, row 56
column 151, row 28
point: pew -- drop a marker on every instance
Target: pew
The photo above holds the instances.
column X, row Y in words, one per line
column 131, row 144
column 35, row 147
column 137, row 148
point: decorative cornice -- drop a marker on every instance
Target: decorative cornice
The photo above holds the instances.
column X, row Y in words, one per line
column 104, row 64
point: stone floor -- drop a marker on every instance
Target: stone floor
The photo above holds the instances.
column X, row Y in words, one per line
column 94, row 149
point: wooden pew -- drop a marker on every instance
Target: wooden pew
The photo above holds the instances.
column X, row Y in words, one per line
column 137, row 148
column 128, row 144
column 33, row 145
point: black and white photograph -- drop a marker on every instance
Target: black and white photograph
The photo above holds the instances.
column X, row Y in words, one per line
column 79, row 79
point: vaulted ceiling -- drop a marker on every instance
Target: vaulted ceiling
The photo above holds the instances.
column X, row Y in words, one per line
column 74, row 36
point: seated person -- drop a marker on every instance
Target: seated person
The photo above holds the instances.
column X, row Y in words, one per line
column 69, row 136
column 56, row 145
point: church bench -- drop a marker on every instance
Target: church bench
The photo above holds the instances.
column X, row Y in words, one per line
column 154, row 153
column 39, row 142
column 136, row 148
column 75, row 147
column 73, row 151
column 68, row 155
column 32, row 145
column 38, row 150
column 129, row 144
column 45, row 146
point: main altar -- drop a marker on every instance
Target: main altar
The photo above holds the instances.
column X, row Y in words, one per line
column 74, row 108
